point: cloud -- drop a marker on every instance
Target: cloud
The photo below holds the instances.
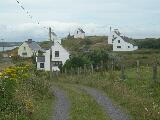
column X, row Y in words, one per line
column 138, row 18
column 21, row 32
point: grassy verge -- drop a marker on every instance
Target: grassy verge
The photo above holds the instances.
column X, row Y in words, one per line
column 25, row 94
column 44, row 109
column 83, row 106
column 140, row 98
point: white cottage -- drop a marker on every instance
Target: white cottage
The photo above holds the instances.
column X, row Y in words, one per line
column 120, row 42
column 52, row 58
column 79, row 33
column 28, row 49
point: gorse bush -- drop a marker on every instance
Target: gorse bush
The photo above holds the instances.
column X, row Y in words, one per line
column 19, row 89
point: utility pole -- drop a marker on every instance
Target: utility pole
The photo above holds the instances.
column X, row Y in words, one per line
column 50, row 31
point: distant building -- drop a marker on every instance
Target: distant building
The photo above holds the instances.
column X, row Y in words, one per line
column 28, row 49
column 79, row 33
column 120, row 42
column 52, row 58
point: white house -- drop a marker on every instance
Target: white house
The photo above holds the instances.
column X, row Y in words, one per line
column 28, row 49
column 120, row 42
column 52, row 58
column 79, row 33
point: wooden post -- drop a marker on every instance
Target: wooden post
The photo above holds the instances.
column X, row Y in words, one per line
column 84, row 69
column 154, row 71
column 112, row 65
column 65, row 71
column 97, row 68
column 91, row 69
column 122, row 76
column 101, row 65
column 78, row 71
column 138, row 70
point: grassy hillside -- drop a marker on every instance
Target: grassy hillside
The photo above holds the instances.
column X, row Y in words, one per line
column 90, row 43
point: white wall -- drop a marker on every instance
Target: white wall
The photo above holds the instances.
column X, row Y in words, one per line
column 47, row 60
column 124, row 46
column 26, row 50
column 79, row 35
column 63, row 54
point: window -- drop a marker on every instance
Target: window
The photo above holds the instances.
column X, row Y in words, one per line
column 57, row 63
column 128, row 46
column 56, row 53
column 24, row 54
column 41, row 65
column 118, row 46
column 119, row 41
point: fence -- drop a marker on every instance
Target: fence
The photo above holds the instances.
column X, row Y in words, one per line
column 137, row 72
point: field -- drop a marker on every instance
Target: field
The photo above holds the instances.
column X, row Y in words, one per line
column 130, row 79
column 139, row 97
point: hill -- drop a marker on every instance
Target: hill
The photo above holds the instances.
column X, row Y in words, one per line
column 90, row 43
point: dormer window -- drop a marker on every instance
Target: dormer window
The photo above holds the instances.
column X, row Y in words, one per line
column 56, row 53
column 119, row 41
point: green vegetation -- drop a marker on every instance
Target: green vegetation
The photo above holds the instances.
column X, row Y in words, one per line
column 149, row 43
column 25, row 91
column 83, row 106
column 140, row 98
column 22, row 90
column 90, row 43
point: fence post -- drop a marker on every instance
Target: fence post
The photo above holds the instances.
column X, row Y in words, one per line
column 154, row 72
column 91, row 69
column 101, row 65
column 138, row 70
column 112, row 65
column 84, row 69
column 122, row 76
column 78, row 71
column 65, row 71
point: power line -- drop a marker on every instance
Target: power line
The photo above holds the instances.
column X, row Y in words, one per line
column 30, row 16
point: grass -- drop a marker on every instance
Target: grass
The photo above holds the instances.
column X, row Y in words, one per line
column 140, row 98
column 25, row 94
column 44, row 109
column 84, row 107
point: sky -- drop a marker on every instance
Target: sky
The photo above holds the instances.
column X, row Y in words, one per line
column 134, row 18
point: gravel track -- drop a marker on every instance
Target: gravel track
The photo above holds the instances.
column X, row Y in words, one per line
column 114, row 112
column 62, row 105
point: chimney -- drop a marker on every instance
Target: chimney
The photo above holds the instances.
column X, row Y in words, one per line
column 50, row 31
column 29, row 40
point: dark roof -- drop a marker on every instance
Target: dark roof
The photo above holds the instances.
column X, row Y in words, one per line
column 53, row 33
column 41, row 59
column 126, row 39
column 81, row 30
column 33, row 45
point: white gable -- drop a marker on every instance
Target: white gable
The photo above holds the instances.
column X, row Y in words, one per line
column 119, row 43
column 79, row 33
column 63, row 53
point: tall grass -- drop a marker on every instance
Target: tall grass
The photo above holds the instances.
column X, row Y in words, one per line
column 140, row 98
column 21, row 91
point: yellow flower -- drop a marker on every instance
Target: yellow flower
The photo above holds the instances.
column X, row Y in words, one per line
column 29, row 105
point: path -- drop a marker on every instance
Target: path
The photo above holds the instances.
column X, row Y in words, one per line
column 62, row 105
column 114, row 112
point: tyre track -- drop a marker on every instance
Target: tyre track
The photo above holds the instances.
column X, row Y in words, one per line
column 62, row 105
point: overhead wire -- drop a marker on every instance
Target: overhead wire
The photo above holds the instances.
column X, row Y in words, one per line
column 30, row 16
